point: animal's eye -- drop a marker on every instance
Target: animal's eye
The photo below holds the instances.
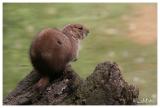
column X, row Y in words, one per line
column 80, row 28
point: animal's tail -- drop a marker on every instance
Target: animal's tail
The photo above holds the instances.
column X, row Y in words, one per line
column 42, row 84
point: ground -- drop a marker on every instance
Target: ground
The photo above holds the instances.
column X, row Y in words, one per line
column 143, row 27
column 125, row 33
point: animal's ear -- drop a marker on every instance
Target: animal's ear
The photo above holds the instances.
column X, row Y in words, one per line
column 56, row 28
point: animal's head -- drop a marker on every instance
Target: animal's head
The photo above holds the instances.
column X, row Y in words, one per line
column 76, row 30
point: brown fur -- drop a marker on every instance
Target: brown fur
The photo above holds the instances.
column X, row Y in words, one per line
column 53, row 49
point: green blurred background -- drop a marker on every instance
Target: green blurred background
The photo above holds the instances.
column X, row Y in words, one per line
column 108, row 41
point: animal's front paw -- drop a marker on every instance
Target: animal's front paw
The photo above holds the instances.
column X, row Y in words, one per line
column 75, row 59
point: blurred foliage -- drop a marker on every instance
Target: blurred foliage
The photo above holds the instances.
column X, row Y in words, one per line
column 107, row 41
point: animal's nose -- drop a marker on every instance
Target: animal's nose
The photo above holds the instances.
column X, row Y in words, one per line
column 87, row 31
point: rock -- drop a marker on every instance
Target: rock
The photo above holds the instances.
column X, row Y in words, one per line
column 105, row 86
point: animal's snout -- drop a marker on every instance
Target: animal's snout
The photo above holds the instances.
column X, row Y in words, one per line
column 86, row 32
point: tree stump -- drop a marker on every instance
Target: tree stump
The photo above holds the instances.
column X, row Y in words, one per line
column 105, row 86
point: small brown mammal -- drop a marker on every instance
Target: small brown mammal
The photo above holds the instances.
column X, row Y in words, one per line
column 53, row 49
